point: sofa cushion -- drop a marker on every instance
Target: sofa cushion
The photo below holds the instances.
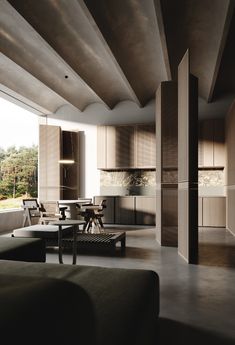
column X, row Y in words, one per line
column 41, row 310
column 125, row 301
column 22, row 249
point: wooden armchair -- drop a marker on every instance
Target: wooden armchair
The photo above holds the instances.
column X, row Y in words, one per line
column 32, row 212
column 51, row 211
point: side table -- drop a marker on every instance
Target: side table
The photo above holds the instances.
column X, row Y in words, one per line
column 75, row 224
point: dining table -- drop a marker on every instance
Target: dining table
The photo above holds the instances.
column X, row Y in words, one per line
column 72, row 206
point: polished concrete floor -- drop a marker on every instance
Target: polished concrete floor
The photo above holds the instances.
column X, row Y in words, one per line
column 197, row 302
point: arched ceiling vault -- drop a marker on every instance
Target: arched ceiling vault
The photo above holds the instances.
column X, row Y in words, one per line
column 80, row 52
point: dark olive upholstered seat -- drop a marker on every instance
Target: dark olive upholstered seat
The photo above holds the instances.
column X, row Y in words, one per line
column 22, row 249
column 85, row 305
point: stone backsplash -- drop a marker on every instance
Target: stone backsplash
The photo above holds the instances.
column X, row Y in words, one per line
column 208, row 178
column 143, row 182
column 127, row 182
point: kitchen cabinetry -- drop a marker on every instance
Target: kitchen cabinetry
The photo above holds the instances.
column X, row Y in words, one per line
column 145, row 210
column 120, row 147
column 101, row 147
column 145, row 146
column 125, row 210
column 211, row 144
column 136, row 209
column 199, row 211
column 126, row 147
column 212, row 211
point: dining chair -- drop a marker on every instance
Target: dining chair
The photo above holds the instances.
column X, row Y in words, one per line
column 32, row 211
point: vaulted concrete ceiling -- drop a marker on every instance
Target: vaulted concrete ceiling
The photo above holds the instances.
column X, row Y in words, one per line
column 80, row 52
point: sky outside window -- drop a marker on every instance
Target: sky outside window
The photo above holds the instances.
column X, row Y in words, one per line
column 18, row 127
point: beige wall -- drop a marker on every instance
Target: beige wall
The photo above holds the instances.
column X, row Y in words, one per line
column 10, row 220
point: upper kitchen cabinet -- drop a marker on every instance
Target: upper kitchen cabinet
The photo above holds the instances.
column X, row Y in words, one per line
column 219, row 143
column 211, row 145
column 145, row 146
column 120, row 147
column 126, row 147
column 101, row 147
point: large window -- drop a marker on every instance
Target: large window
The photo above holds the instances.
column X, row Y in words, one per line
column 18, row 154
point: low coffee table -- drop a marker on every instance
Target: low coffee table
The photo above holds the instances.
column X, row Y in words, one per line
column 104, row 240
column 64, row 223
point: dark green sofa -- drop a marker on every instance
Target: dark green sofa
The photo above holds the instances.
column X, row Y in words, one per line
column 43, row 303
column 22, row 249
column 68, row 304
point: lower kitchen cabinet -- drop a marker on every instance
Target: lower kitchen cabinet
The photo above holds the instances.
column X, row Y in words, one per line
column 130, row 210
column 212, row 211
column 200, row 211
column 145, row 210
column 125, row 210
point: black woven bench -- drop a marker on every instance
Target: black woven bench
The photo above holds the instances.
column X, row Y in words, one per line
column 102, row 241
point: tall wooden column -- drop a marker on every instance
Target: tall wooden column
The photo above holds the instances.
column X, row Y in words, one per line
column 187, row 162
column 167, row 164
column 49, row 167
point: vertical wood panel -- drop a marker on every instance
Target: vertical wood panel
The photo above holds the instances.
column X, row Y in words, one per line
column 120, row 147
column 167, row 164
column 183, row 120
column 219, row 143
column 125, row 146
column 214, row 211
column 111, row 147
column 101, row 147
column 230, row 208
column 145, row 146
column 70, row 181
column 187, row 162
column 208, row 143
column 200, row 203
column 49, row 167
column 145, row 208
column 125, row 210
column 230, row 144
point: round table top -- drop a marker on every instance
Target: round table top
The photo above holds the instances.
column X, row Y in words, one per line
column 64, row 202
column 68, row 222
column 75, row 201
